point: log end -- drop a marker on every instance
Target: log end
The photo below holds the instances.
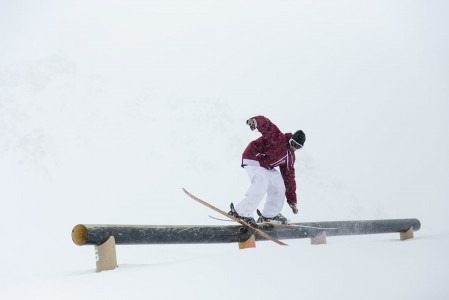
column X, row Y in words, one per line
column 79, row 234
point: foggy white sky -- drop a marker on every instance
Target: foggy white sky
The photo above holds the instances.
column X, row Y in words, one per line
column 367, row 81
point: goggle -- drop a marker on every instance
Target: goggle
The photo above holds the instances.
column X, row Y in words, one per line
column 295, row 144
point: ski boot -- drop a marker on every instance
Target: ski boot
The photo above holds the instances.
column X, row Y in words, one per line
column 279, row 219
column 248, row 220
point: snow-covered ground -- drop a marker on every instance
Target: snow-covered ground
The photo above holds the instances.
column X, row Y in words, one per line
column 108, row 108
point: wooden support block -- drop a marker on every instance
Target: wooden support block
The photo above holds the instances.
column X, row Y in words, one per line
column 406, row 235
column 106, row 255
column 249, row 243
column 319, row 239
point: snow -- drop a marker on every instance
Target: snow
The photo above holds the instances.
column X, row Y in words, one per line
column 108, row 108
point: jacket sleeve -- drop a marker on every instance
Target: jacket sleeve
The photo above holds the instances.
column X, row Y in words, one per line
column 290, row 184
column 268, row 130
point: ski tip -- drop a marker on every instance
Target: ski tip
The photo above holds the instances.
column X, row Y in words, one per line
column 188, row 193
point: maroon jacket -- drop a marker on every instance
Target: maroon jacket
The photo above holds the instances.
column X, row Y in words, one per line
column 272, row 150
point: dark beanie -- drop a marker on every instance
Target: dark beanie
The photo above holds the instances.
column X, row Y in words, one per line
column 299, row 137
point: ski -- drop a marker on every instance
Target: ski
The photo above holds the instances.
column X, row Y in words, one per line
column 275, row 224
column 219, row 219
column 260, row 232
column 258, row 223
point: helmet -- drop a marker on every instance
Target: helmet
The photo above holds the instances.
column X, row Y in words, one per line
column 298, row 139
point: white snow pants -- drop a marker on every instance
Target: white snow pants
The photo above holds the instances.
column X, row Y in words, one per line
column 263, row 182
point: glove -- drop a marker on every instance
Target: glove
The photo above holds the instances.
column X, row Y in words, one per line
column 294, row 208
column 252, row 123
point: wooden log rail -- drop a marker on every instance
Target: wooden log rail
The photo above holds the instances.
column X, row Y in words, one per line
column 175, row 234
column 105, row 237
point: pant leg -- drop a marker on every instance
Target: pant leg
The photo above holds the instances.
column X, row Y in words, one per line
column 275, row 194
column 259, row 185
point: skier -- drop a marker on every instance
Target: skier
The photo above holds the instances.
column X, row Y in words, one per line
column 260, row 158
